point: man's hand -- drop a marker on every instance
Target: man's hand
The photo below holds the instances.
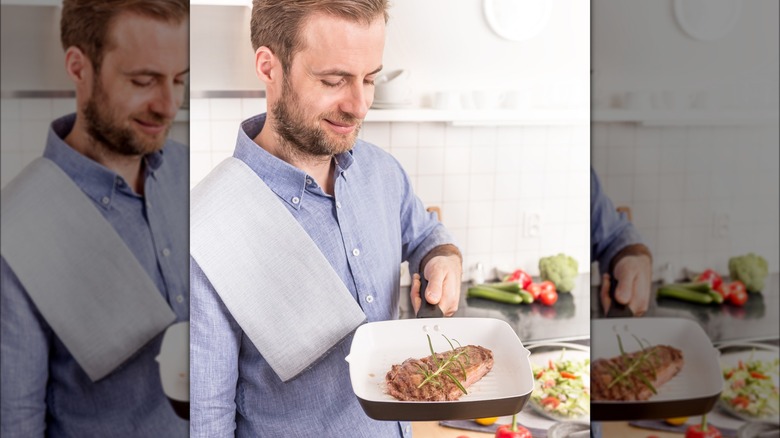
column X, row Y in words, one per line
column 634, row 274
column 444, row 276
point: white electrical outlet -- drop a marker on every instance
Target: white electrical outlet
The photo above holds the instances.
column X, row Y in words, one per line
column 531, row 224
column 720, row 228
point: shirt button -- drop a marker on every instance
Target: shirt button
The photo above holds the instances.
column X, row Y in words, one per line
column 105, row 200
column 179, row 298
column 119, row 182
column 338, row 204
column 369, row 299
column 356, row 252
column 308, row 181
column 166, row 252
column 296, row 200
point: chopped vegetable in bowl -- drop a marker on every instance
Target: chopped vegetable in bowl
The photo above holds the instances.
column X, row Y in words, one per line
column 561, row 388
column 750, row 388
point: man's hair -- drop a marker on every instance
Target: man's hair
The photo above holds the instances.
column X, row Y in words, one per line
column 85, row 23
column 277, row 24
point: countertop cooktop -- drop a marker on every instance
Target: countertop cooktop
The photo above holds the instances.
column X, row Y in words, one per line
column 757, row 320
column 567, row 320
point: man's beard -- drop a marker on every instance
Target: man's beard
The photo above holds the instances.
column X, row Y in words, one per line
column 106, row 128
column 304, row 137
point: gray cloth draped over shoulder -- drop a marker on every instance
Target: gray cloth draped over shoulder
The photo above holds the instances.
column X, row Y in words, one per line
column 288, row 299
column 77, row 270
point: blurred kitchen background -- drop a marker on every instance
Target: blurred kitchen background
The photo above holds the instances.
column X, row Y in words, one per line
column 34, row 88
column 495, row 131
column 685, row 126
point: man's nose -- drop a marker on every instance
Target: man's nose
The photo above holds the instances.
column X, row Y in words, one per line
column 357, row 100
column 167, row 101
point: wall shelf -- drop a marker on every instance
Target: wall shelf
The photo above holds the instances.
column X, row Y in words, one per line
column 247, row 3
column 498, row 117
column 687, row 117
column 56, row 3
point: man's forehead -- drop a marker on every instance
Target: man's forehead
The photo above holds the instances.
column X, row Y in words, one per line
column 133, row 38
column 330, row 42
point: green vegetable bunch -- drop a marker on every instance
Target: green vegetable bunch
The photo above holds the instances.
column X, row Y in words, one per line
column 751, row 269
column 560, row 269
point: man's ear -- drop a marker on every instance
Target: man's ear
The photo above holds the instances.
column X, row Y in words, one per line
column 78, row 66
column 266, row 64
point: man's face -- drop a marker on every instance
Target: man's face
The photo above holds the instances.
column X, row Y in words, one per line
column 140, row 85
column 330, row 85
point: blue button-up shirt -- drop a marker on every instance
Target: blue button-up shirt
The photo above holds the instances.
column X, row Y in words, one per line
column 365, row 230
column 44, row 390
column 610, row 231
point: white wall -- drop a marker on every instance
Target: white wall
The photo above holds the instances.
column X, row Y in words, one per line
column 638, row 45
column 493, row 184
column 699, row 194
column 446, row 45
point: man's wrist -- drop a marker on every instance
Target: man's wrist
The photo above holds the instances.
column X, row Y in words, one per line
column 445, row 250
column 635, row 249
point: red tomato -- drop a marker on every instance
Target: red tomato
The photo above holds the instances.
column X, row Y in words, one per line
column 534, row 289
column 568, row 375
column 505, row 431
column 737, row 293
column 694, row 431
column 710, row 277
column 740, row 401
column 548, row 297
column 547, row 285
column 723, row 290
column 551, row 401
column 519, row 276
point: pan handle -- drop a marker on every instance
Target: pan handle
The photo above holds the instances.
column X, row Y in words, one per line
column 427, row 310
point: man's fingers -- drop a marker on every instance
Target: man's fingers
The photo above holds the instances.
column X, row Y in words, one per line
column 434, row 287
column 624, row 291
column 606, row 302
column 415, row 293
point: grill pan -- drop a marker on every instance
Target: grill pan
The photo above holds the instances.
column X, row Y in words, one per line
column 377, row 346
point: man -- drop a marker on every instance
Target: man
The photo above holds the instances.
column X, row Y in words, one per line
column 93, row 246
column 321, row 201
column 622, row 256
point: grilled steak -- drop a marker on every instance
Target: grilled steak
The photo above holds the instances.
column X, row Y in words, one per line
column 403, row 380
column 658, row 365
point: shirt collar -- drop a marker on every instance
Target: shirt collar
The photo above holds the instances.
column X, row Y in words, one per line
column 286, row 180
column 97, row 181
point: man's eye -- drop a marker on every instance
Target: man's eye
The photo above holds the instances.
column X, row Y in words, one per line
column 369, row 81
column 142, row 83
column 331, row 84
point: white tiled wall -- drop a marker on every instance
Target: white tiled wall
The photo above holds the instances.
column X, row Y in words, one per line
column 495, row 185
column 25, row 124
column 698, row 194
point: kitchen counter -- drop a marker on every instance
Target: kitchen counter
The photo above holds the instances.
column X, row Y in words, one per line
column 567, row 320
column 757, row 320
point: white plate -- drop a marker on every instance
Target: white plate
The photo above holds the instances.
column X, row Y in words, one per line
column 377, row 346
column 731, row 354
column 552, row 351
column 693, row 391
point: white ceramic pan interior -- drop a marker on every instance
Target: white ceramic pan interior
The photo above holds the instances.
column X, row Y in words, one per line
column 377, row 346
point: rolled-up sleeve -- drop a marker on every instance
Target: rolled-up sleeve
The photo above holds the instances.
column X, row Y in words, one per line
column 24, row 358
column 215, row 340
column 610, row 231
column 421, row 230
